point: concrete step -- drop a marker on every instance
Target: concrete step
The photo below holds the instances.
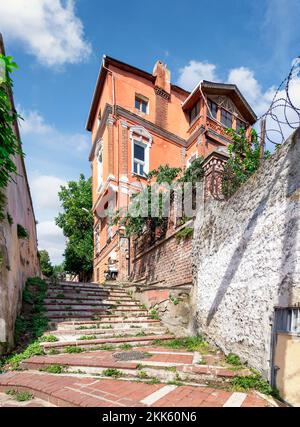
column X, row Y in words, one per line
column 60, row 294
column 163, row 364
column 115, row 342
column 77, row 307
column 74, row 335
column 85, row 288
column 89, row 299
column 84, row 318
column 82, row 302
column 115, row 322
column 61, row 312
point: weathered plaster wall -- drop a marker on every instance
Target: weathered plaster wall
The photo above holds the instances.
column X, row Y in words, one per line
column 19, row 256
column 246, row 258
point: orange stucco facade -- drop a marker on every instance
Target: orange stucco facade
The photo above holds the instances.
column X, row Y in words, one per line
column 140, row 120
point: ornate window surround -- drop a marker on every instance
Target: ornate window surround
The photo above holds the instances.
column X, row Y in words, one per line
column 143, row 138
column 99, row 152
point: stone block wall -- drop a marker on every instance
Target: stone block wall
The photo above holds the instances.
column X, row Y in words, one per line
column 246, row 258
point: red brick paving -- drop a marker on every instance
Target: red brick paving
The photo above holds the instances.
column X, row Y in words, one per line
column 104, row 359
column 90, row 392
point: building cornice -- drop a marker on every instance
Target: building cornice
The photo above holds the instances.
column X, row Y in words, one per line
column 150, row 126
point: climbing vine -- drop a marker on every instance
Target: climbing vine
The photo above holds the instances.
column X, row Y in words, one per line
column 9, row 142
column 155, row 199
column 245, row 157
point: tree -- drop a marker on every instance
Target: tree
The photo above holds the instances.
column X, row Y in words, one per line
column 77, row 224
column 46, row 266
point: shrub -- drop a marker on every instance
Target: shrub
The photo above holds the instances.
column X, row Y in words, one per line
column 254, row 381
column 22, row 232
column 233, row 359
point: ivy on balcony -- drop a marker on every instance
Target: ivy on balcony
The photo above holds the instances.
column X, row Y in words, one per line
column 155, row 226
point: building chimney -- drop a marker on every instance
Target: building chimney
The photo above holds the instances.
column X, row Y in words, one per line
column 163, row 77
column 162, row 89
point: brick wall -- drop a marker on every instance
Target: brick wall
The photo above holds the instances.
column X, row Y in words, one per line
column 167, row 262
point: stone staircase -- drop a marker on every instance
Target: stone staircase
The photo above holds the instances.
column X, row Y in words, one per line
column 104, row 315
column 99, row 337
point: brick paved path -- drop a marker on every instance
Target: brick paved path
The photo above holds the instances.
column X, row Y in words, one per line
column 123, row 345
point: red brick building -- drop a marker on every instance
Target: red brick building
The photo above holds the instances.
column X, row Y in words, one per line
column 140, row 120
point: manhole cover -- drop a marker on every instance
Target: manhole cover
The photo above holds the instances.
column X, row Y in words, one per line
column 131, row 355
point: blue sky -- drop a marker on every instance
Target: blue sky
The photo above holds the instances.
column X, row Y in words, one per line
column 58, row 46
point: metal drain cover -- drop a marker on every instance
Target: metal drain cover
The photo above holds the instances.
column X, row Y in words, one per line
column 131, row 355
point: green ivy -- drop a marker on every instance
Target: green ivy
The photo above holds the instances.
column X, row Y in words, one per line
column 184, row 233
column 9, row 142
column 244, row 160
column 134, row 222
column 22, row 232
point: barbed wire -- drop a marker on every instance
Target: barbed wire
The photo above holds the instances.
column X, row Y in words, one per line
column 283, row 114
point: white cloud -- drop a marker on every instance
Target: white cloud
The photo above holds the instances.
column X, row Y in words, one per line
column 45, row 190
column 246, row 82
column 34, row 124
column 190, row 75
column 51, row 238
column 48, row 29
column 259, row 99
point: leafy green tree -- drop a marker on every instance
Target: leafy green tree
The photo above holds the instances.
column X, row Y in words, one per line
column 46, row 266
column 77, row 224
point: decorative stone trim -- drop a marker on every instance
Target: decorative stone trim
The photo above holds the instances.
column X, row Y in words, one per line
column 160, row 92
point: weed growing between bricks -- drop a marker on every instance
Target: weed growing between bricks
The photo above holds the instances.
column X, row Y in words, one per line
column 188, row 343
column 112, row 372
column 54, row 369
column 87, row 337
column 21, row 396
column 48, row 338
column 254, row 381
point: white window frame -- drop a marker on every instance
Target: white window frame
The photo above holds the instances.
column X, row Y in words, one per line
column 141, row 98
column 139, row 162
column 99, row 166
column 97, row 239
column 143, row 138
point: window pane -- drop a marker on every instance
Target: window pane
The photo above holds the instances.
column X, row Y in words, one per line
column 194, row 111
column 141, row 169
column 135, row 167
column 139, row 152
column 144, row 106
column 226, row 118
column 137, row 103
column 213, row 109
